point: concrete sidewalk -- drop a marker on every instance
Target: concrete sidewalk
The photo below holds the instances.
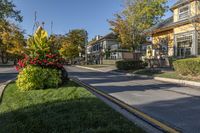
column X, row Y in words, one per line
column 169, row 103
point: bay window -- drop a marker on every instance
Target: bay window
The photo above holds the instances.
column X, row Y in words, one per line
column 184, row 45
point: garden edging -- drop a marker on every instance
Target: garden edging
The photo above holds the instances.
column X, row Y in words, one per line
column 3, row 87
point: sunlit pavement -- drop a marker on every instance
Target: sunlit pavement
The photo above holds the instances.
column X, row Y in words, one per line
column 174, row 105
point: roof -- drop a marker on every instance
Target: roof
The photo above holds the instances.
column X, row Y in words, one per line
column 162, row 25
column 168, row 24
column 108, row 36
column 180, row 3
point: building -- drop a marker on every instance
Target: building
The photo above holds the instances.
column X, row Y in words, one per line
column 179, row 35
column 105, row 50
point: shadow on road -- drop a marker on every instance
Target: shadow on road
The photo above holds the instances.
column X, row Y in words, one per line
column 181, row 113
column 113, row 83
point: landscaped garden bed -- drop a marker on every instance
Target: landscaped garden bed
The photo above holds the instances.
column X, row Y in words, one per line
column 43, row 100
column 69, row 108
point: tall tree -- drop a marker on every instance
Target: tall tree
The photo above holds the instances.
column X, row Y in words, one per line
column 69, row 51
column 56, row 41
column 8, row 10
column 137, row 16
column 10, row 35
column 74, row 44
column 78, row 37
column 11, row 41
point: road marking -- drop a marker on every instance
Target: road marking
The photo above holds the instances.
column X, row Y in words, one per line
column 155, row 123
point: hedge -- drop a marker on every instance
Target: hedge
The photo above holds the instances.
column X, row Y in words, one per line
column 130, row 65
column 190, row 66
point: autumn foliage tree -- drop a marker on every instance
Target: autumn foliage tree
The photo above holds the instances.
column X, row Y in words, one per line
column 73, row 44
column 11, row 37
column 12, row 41
column 137, row 16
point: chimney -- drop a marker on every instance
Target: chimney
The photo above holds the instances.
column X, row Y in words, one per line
column 98, row 37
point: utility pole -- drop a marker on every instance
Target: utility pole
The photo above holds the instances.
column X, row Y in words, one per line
column 35, row 23
column 43, row 23
column 51, row 27
column 86, row 44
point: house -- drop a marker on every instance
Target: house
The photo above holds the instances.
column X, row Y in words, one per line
column 179, row 35
column 106, row 50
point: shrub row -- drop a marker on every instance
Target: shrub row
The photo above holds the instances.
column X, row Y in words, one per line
column 35, row 77
column 129, row 65
column 190, row 66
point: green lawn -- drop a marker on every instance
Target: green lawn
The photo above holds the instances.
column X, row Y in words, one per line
column 70, row 109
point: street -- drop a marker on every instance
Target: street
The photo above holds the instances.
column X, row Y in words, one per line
column 7, row 73
column 174, row 105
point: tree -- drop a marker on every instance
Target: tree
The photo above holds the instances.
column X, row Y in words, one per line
column 121, row 28
column 17, row 43
column 69, row 50
column 73, row 44
column 137, row 16
column 8, row 11
column 12, row 41
column 11, row 38
column 78, row 37
column 56, row 41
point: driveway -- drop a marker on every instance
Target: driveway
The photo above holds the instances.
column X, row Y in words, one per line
column 171, row 104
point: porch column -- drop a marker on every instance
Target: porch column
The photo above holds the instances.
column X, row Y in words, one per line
column 175, row 46
column 194, row 50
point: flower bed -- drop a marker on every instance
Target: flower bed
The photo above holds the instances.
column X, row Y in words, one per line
column 42, row 66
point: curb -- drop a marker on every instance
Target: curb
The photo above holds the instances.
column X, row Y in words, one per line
column 169, row 80
column 146, row 118
column 89, row 68
column 3, row 87
column 179, row 81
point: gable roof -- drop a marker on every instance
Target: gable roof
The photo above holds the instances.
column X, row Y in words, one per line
column 108, row 36
column 162, row 25
column 168, row 24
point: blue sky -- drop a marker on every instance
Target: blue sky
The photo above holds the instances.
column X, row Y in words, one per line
column 91, row 15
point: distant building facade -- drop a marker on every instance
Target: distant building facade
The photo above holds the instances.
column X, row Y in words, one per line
column 105, row 49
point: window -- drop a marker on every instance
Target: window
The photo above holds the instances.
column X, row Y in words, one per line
column 184, row 45
column 183, row 12
column 164, row 46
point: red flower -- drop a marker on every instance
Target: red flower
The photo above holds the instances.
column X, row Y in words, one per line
column 17, row 68
column 45, row 61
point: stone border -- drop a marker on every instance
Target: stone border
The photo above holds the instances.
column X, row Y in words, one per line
column 3, row 87
column 169, row 80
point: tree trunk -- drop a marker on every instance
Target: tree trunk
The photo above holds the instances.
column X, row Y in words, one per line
column 4, row 58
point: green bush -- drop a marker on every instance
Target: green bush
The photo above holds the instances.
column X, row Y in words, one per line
column 34, row 77
column 190, row 66
column 129, row 65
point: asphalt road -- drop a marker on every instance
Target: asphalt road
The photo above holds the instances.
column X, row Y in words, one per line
column 7, row 73
column 171, row 104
